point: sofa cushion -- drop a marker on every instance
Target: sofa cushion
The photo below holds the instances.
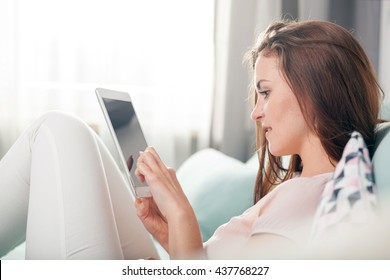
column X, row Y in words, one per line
column 380, row 161
column 218, row 187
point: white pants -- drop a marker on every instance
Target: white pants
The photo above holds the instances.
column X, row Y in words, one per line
column 61, row 191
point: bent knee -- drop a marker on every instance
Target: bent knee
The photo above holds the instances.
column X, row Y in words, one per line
column 64, row 119
column 62, row 123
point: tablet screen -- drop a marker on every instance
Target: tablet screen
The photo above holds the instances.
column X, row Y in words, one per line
column 128, row 132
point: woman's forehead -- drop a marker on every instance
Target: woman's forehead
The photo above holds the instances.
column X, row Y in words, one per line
column 265, row 64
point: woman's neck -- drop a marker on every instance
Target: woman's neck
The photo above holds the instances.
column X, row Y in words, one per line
column 315, row 160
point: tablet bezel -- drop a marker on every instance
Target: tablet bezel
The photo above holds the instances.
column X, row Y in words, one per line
column 137, row 191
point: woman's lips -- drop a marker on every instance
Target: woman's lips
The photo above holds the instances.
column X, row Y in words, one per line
column 267, row 130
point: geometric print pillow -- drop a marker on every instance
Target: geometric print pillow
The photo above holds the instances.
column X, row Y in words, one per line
column 349, row 199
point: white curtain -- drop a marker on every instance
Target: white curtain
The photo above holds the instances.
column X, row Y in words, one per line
column 238, row 24
column 384, row 54
column 362, row 17
column 369, row 20
column 54, row 53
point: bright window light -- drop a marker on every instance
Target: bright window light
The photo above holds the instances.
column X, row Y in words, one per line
column 60, row 51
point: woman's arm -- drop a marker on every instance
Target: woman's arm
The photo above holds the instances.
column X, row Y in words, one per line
column 182, row 239
column 184, row 235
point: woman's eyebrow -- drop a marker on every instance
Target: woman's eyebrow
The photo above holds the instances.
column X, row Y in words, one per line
column 259, row 82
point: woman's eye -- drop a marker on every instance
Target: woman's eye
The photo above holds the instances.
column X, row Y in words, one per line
column 264, row 93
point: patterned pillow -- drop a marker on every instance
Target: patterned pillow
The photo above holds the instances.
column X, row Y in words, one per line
column 349, row 200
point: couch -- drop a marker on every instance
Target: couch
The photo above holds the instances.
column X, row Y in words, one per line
column 220, row 187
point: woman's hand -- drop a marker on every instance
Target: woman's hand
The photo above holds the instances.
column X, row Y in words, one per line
column 153, row 220
column 168, row 208
column 164, row 186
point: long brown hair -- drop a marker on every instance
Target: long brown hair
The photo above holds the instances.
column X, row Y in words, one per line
column 334, row 83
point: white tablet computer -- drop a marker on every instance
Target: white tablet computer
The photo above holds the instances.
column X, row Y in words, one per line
column 127, row 135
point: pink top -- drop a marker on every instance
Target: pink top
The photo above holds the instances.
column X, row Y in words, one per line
column 287, row 211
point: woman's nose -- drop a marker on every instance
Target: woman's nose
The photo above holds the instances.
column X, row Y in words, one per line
column 257, row 112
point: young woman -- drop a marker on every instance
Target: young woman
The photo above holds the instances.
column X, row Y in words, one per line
column 313, row 85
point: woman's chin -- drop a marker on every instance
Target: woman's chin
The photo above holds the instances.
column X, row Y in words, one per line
column 277, row 153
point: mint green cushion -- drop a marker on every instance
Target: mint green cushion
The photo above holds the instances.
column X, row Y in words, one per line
column 385, row 110
column 218, row 187
column 381, row 161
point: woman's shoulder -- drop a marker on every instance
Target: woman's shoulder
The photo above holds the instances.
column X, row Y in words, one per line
column 299, row 181
column 299, row 188
column 288, row 210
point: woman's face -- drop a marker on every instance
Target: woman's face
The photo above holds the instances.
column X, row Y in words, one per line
column 277, row 109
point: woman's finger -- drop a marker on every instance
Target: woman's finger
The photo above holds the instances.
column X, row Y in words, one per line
column 156, row 156
column 146, row 167
column 151, row 167
column 140, row 176
column 141, row 206
column 151, row 157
